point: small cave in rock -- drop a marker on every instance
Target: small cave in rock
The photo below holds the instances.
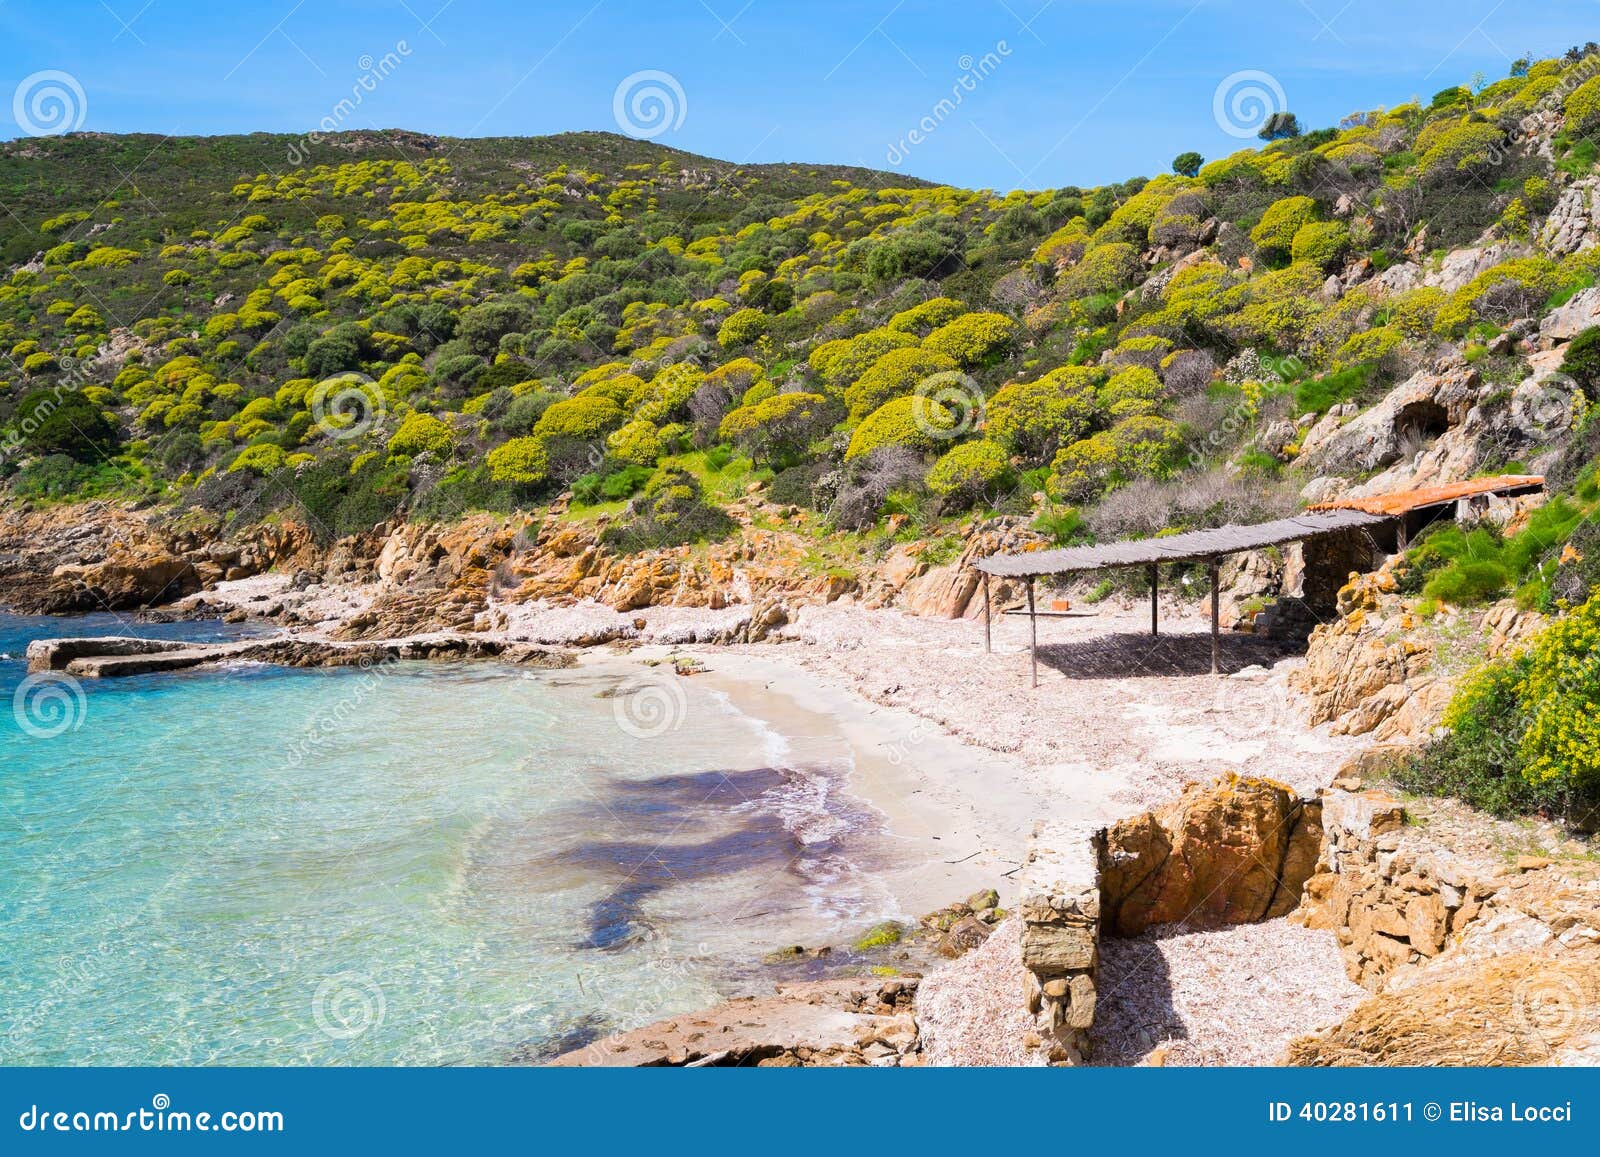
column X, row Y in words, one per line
column 1419, row 422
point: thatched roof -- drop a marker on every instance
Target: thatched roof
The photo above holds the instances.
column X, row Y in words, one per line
column 1191, row 546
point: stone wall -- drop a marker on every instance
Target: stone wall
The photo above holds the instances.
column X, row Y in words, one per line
column 1392, row 898
column 1060, row 910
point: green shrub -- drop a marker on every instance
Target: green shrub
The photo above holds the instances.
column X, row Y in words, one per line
column 917, row 422
column 62, row 421
column 1139, row 447
column 1468, row 581
column 611, row 485
column 671, row 511
column 1276, row 230
column 1461, row 149
column 1582, row 359
column 585, row 417
column 421, row 433
column 894, row 374
column 1034, row 419
column 923, row 319
column 842, row 362
column 1316, row 395
column 1105, row 269
column 520, row 462
column 973, row 339
column 1525, row 732
column 971, row 472
column 1322, row 243
column 638, row 442
column 263, row 458
column 777, row 428
column 1582, row 108
column 741, row 328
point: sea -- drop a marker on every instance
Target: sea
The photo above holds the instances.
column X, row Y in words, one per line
column 406, row 864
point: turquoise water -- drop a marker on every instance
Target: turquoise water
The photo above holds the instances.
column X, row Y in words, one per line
column 413, row 864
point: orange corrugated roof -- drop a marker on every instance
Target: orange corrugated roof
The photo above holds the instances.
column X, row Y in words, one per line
column 1403, row 500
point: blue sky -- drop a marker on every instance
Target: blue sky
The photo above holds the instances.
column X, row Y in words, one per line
column 1070, row 91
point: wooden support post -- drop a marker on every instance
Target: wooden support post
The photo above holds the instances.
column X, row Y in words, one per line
column 1033, row 635
column 1155, row 580
column 988, row 632
column 1216, row 614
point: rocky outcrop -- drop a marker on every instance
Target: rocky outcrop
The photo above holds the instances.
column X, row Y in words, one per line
column 1366, row 672
column 829, row 1023
column 1574, row 223
column 1422, row 407
column 1472, row 960
column 1232, row 852
column 1567, row 321
column 105, row 658
column 107, row 557
column 1525, row 1008
column 1460, row 266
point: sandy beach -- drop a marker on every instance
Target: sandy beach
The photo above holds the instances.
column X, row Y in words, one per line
column 961, row 756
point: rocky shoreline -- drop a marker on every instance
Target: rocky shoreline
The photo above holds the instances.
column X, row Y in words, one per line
column 1122, row 725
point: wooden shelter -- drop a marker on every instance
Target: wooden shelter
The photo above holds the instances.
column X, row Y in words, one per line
column 1404, row 512
column 1207, row 546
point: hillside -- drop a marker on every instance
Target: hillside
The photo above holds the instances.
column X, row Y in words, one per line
column 667, row 351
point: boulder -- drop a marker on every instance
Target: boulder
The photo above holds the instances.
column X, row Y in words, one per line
column 1567, row 321
column 1225, row 853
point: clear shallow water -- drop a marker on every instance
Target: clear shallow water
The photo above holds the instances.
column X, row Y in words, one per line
column 414, row 864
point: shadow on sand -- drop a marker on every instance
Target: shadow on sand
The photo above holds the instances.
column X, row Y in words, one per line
column 1131, row 654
